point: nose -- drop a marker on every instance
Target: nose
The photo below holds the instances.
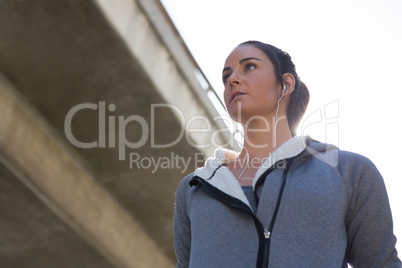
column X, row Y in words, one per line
column 233, row 79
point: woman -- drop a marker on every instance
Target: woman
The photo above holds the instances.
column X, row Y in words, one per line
column 285, row 200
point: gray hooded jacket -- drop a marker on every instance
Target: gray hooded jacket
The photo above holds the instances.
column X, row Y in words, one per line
column 317, row 207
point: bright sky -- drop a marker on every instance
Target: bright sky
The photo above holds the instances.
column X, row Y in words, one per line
column 349, row 54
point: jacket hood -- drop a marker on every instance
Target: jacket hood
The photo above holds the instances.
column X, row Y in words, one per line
column 325, row 152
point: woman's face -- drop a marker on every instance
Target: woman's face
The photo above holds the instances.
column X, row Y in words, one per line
column 251, row 88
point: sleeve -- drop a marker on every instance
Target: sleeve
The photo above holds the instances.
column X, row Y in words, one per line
column 182, row 226
column 371, row 242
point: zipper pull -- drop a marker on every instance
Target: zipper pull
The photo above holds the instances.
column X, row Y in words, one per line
column 267, row 234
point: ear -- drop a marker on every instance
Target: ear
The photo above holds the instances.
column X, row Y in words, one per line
column 289, row 81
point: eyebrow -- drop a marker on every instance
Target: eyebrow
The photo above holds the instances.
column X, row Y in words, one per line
column 240, row 62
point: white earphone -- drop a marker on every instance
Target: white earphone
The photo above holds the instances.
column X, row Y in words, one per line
column 276, row 122
column 276, row 115
column 283, row 90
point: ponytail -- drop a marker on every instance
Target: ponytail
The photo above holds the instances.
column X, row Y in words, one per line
column 297, row 106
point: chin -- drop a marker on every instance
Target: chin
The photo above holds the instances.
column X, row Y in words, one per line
column 238, row 116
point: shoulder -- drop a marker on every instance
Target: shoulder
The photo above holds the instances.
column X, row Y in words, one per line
column 184, row 186
column 348, row 164
column 354, row 160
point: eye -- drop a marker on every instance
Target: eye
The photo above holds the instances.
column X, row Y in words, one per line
column 250, row 66
column 225, row 78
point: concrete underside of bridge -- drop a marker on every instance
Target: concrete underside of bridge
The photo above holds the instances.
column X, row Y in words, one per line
column 86, row 73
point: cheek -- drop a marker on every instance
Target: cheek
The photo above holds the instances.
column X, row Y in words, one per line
column 267, row 88
column 226, row 96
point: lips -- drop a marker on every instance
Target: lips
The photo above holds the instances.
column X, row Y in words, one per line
column 236, row 94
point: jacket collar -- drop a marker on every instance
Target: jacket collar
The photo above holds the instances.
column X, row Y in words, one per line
column 222, row 178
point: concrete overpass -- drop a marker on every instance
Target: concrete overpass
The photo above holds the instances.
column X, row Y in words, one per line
column 88, row 90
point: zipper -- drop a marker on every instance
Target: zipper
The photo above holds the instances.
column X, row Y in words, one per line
column 268, row 231
column 264, row 234
column 265, row 252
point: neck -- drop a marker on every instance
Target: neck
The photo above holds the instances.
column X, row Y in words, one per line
column 261, row 138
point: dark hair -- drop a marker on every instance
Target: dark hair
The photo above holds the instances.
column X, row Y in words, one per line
column 282, row 63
